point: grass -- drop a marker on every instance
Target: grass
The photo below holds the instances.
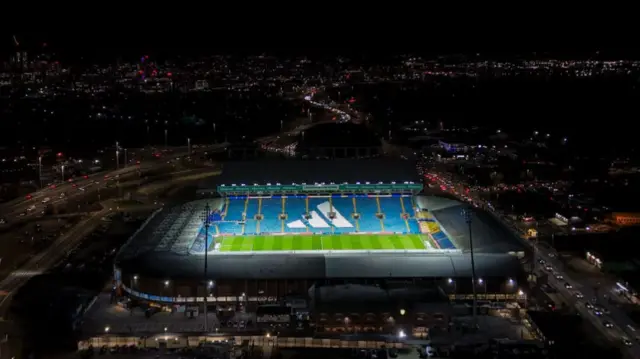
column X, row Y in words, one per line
column 321, row 242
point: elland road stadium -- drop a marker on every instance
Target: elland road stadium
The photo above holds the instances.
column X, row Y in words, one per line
column 270, row 229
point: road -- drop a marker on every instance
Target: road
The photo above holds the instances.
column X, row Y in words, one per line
column 49, row 257
column 20, row 208
column 610, row 313
column 559, row 279
column 585, row 285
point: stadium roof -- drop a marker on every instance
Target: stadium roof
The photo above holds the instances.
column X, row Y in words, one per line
column 161, row 249
column 489, row 234
column 299, row 171
column 168, row 265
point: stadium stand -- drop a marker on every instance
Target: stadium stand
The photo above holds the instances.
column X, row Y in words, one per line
column 443, row 241
column 270, row 211
column 233, row 210
column 343, row 207
column 295, row 209
column 391, row 207
column 340, row 221
column 327, row 215
column 489, row 234
column 368, row 208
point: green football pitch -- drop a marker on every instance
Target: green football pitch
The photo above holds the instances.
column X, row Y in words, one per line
column 320, row 242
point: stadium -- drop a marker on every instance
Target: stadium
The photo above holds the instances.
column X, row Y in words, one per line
column 276, row 229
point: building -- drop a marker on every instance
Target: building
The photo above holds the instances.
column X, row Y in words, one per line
column 625, row 219
column 164, row 261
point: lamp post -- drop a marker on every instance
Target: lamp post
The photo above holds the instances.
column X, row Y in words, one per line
column 467, row 218
column 40, row 170
column 206, row 220
column 452, row 282
column 166, row 134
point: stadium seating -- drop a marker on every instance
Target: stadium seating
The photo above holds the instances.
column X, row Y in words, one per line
column 392, row 209
column 414, row 227
column 318, row 222
column 367, row 208
column 234, row 210
column 319, row 208
column 443, row 241
column 271, row 209
column 343, row 209
column 252, row 208
column 295, row 209
column 408, row 205
column 229, row 228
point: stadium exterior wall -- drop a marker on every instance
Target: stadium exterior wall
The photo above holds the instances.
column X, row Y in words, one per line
column 267, row 278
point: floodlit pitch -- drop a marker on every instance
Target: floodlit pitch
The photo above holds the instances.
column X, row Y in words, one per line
column 320, row 242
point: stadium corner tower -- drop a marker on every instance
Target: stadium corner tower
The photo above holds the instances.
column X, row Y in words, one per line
column 287, row 228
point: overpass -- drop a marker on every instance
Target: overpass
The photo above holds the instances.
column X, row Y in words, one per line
column 20, row 204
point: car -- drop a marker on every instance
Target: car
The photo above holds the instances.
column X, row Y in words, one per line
column 607, row 324
column 548, row 268
column 578, row 295
column 588, row 305
column 541, row 261
column 627, row 342
column 559, row 277
column 601, row 309
column 597, row 312
column 568, row 285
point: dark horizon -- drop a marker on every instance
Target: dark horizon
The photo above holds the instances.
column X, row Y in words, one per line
column 94, row 46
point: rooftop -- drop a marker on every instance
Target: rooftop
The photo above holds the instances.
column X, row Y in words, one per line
column 320, row 265
column 299, row 171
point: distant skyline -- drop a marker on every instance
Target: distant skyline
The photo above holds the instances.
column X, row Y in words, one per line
column 125, row 44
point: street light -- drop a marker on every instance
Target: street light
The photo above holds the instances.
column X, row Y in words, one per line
column 453, row 283
column 189, row 146
column 206, row 220
column 62, row 170
column 40, row 170
column 166, row 134
column 468, row 218
column 117, row 155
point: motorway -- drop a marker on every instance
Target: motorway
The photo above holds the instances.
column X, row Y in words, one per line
column 20, row 208
column 49, row 257
column 67, row 241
